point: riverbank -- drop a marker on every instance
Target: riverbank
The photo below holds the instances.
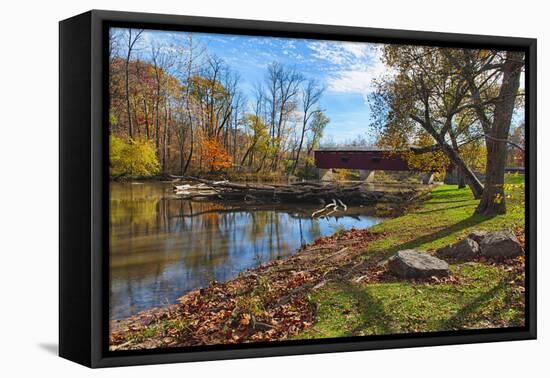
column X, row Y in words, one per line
column 481, row 294
column 233, row 176
column 337, row 286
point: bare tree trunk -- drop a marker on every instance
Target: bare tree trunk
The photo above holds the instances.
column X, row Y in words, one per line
column 493, row 199
column 235, row 125
column 145, row 110
column 165, row 142
column 166, row 146
column 262, row 162
column 157, row 124
column 127, row 86
column 131, row 43
column 460, row 177
column 191, row 146
column 300, row 145
column 183, row 167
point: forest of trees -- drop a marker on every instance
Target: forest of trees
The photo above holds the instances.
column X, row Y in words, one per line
column 181, row 110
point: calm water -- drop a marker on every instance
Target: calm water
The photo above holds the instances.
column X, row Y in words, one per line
column 163, row 247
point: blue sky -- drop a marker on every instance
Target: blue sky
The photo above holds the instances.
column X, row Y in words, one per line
column 346, row 69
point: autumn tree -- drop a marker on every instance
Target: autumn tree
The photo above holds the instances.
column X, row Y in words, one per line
column 132, row 158
column 259, row 138
column 215, row 156
column 311, row 94
column 283, row 87
column 425, row 93
column 316, row 131
column 190, row 56
column 516, row 148
column 162, row 60
column 494, row 110
column 133, row 37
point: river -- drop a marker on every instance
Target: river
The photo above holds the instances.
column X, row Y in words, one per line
column 162, row 247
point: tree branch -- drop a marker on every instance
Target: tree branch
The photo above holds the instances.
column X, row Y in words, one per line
column 514, row 144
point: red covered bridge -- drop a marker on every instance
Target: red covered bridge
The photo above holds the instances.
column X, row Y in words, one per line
column 366, row 160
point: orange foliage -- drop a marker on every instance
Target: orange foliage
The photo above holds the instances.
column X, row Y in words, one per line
column 214, row 155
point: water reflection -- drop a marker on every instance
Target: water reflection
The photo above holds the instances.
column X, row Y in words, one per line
column 162, row 247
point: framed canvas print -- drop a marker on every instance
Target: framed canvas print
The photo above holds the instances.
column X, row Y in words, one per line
column 234, row 188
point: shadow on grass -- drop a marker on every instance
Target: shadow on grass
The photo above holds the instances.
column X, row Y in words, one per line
column 443, row 209
column 457, row 320
column 372, row 315
column 453, row 201
column 415, row 243
column 371, row 311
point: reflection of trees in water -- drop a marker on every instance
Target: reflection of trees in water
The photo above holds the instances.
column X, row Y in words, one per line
column 266, row 234
column 148, row 227
column 161, row 244
column 315, row 228
column 207, row 246
column 133, row 210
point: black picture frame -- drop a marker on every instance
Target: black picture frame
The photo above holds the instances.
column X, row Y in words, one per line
column 84, row 184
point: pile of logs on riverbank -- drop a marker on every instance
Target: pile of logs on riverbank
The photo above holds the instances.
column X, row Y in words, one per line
column 298, row 192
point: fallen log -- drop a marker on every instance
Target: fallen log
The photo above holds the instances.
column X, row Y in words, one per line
column 337, row 195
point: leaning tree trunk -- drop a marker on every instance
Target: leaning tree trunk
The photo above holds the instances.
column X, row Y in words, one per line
column 461, row 182
column 460, row 176
column 189, row 157
column 463, row 170
column 299, row 147
column 493, row 198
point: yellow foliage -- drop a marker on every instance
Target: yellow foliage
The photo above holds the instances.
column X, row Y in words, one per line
column 436, row 161
column 132, row 158
column 474, row 155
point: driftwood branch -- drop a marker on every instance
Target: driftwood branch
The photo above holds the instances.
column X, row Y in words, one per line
column 329, row 206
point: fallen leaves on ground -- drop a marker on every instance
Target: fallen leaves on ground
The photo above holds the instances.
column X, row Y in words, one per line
column 263, row 304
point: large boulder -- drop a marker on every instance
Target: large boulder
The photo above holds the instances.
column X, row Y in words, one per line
column 413, row 264
column 478, row 236
column 500, row 244
column 464, row 250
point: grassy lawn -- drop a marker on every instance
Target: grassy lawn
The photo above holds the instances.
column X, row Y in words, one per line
column 484, row 297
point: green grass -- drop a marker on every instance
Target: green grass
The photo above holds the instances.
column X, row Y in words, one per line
column 483, row 298
column 447, row 217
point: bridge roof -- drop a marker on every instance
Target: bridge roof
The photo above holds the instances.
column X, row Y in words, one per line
column 352, row 148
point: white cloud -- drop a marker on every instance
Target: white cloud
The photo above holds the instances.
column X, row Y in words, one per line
column 352, row 65
column 357, row 79
column 332, row 52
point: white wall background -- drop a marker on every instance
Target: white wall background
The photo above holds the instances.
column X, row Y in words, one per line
column 29, row 188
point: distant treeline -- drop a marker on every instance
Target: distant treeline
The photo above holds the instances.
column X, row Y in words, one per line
column 181, row 110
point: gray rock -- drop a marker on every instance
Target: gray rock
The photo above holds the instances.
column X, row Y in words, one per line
column 478, row 236
column 500, row 244
column 413, row 264
column 464, row 250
